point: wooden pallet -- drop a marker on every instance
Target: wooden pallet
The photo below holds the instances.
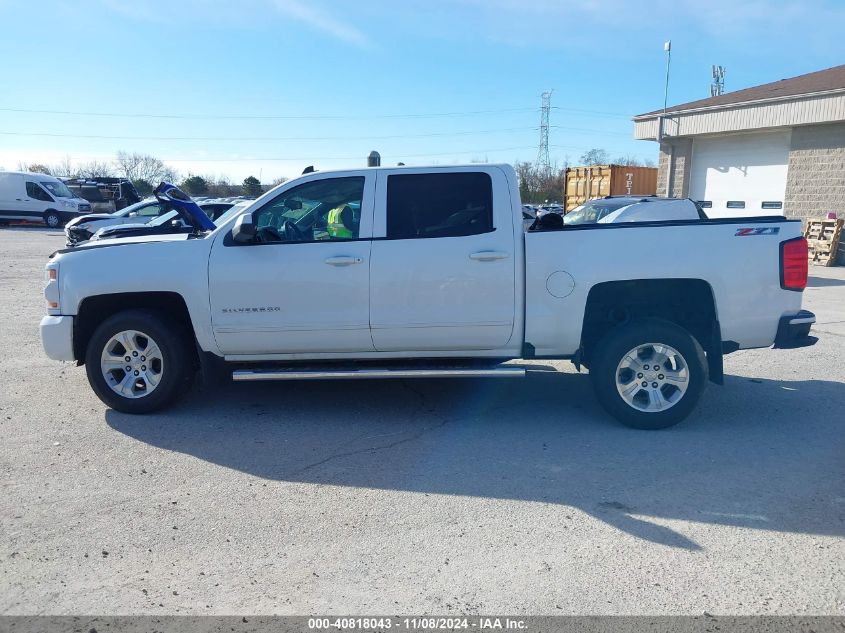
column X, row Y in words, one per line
column 823, row 238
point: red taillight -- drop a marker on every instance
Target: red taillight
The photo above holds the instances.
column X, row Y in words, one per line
column 793, row 264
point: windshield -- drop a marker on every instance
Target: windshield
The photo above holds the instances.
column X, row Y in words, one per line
column 231, row 213
column 593, row 211
column 58, row 189
column 132, row 208
column 164, row 219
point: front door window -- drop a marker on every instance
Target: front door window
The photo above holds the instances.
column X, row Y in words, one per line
column 320, row 210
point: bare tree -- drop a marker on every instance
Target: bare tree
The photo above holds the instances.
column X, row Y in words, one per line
column 538, row 184
column 64, row 168
column 595, row 156
column 96, row 169
column 135, row 166
column 35, row 168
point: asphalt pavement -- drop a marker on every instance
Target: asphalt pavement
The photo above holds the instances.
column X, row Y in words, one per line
column 431, row 496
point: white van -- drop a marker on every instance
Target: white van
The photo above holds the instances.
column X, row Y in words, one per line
column 38, row 198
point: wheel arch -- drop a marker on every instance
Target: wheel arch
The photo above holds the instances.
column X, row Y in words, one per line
column 688, row 302
column 96, row 309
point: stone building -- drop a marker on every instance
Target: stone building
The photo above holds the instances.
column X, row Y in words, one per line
column 778, row 148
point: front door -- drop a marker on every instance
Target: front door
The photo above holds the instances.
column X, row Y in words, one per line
column 303, row 286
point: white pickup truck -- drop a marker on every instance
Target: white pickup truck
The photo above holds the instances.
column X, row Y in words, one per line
column 407, row 272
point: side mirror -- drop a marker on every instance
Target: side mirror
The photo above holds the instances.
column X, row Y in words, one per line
column 244, row 230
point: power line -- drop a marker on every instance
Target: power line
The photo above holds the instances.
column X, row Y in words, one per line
column 266, row 138
column 307, row 138
column 618, row 115
column 263, row 117
column 307, row 117
column 358, row 157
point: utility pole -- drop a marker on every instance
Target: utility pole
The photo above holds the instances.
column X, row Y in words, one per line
column 670, row 176
column 543, row 162
column 667, row 46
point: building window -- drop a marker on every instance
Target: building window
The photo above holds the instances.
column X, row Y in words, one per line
column 772, row 204
column 736, row 204
column 705, row 204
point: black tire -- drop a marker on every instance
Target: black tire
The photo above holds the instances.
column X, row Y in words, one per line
column 616, row 345
column 53, row 219
column 177, row 368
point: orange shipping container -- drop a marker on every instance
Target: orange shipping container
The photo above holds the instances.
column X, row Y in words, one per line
column 598, row 181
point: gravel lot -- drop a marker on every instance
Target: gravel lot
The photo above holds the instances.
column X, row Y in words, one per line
column 392, row 497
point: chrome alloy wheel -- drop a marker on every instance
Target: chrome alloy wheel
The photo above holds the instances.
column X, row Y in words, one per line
column 132, row 364
column 652, row 377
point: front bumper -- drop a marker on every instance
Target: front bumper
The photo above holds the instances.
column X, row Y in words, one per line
column 794, row 330
column 57, row 337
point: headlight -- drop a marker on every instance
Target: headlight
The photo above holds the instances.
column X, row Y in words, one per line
column 51, row 290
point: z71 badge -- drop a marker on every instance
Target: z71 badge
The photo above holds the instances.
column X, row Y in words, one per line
column 768, row 230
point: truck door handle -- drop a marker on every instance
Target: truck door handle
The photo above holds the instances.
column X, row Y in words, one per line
column 343, row 261
column 489, row 256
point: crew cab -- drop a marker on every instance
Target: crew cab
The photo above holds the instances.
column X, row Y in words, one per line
column 403, row 272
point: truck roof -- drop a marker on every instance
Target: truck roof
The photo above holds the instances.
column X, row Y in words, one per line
column 410, row 167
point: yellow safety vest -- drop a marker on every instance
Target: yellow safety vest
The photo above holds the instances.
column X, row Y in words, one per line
column 336, row 227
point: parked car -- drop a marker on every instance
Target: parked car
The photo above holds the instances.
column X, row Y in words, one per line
column 551, row 208
column 83, row 227
column 29, row 197
column 170, row 222
column 405, row 272
column 634, row 209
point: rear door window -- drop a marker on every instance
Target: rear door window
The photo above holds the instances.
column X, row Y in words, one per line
column 439, row 205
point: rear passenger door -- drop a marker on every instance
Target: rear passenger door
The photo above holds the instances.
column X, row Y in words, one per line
column 442, row 274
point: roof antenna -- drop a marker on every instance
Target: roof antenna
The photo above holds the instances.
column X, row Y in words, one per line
column 718, row 86
column 308, row 169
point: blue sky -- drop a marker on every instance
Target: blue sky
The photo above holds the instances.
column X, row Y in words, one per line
column 266, row 87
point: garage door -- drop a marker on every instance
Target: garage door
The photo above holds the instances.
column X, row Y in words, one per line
column 740, row 174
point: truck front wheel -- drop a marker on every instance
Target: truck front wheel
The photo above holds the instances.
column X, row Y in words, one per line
column 649, row 374
column 138, row 362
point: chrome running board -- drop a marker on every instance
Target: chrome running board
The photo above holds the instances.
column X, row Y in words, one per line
column 381, row 372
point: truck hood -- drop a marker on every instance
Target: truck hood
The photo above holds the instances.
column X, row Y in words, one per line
column 135, row 239
column 124, row 241
column 88, row 217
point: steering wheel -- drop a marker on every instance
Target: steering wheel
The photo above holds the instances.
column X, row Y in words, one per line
column 292, row 232
column 269, row 234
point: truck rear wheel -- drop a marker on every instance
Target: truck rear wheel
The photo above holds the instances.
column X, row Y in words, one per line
column 649, row 374
column 138, row 362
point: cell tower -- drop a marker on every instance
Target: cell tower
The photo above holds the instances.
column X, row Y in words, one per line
column 543, row 161
column 718, row 85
